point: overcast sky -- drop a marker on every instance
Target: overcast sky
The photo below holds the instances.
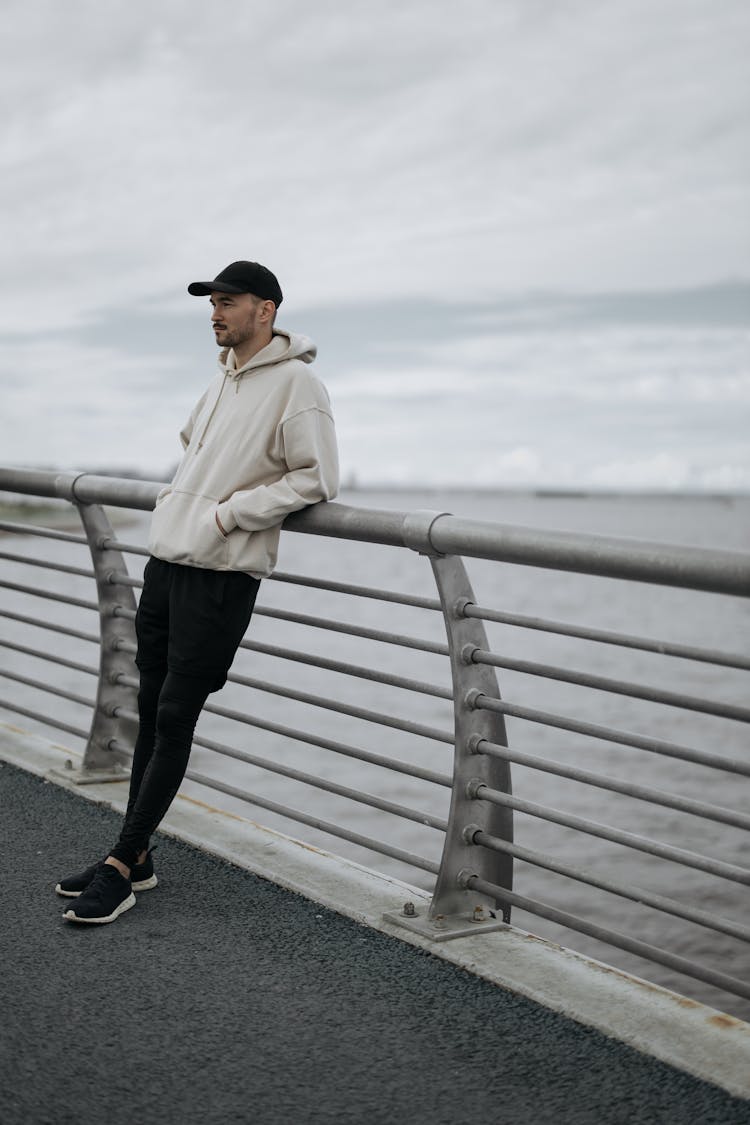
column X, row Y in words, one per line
column 388, row 161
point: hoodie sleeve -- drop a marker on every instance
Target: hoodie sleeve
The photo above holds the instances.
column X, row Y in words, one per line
column 310, row 453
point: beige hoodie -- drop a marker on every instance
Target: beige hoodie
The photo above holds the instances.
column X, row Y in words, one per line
column 259, row 444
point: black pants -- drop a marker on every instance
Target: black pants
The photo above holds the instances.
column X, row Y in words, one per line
column 189, row 624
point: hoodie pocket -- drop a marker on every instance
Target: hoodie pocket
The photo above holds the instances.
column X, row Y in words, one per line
column 184, row 530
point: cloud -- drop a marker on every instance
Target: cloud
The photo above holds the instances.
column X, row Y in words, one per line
column 393, row 150
column 412, row 173
column 64, row 405
column 546, row 391
column 574, row 406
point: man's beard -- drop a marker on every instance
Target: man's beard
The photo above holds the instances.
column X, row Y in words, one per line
column 229, row 338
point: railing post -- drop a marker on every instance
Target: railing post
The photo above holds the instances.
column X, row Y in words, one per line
column 461, row 857
column 456, row 911
column 100, row 761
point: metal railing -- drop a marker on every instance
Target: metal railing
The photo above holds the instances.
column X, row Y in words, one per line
column 473, row 864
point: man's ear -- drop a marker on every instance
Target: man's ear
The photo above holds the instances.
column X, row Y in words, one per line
column 267, row 310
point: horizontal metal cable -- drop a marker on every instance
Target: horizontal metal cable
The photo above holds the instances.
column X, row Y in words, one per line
column 62, row 568
column 613, row 937
column 309, row 582
column 332, row 666
column 299, row 775
column 349, row 669
column 48, row 721
column 121, row 611
column 357, row 591
column 44, row 532
column 617, row 687
column 353, row 630
column 50, row 595
column 615, row 785
column 322, row 783
column 482, row 792
column 51, row 657
column 302, row 818
column 109, row 543
column 326, row 704
column 47, row 687
column 39, row 624
column 315, row 822
column 624, row 890
column 120, row 578
column 314, row 740
column 625, row 640
column 611, row 734
column 344, row 708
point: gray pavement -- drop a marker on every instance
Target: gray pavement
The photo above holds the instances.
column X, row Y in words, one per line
column 223, row 998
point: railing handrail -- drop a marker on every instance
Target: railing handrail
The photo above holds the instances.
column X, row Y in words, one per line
column 475, row 875
column 696, row 568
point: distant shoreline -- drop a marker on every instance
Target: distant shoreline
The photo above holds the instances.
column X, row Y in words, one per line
column 543, row 492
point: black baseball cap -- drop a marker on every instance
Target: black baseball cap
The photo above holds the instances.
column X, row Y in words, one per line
column 241, row 277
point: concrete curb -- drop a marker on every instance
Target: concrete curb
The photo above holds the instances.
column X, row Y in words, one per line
column 681, row 1032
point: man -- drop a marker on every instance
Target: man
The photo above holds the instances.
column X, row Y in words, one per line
column 259, row 444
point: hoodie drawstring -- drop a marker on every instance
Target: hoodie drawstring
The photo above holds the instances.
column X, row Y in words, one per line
column 210, row 417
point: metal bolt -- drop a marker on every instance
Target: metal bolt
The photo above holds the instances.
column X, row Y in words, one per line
column 471, row 697
column 473, row 743
column 473, row 787
column 439, row 922
column 479, row 914
column 409, row 910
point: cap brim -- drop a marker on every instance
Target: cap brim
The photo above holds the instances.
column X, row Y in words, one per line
column 205, row 288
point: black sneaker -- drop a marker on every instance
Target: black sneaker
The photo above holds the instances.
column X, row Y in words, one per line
column 142, row 878
column 108, row 895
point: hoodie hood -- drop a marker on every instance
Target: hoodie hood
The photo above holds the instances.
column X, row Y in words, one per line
column 283, row 346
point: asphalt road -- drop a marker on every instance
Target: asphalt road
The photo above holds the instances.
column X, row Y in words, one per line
column 222, row 998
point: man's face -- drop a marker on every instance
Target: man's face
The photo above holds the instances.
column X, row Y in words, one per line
column 235, row 318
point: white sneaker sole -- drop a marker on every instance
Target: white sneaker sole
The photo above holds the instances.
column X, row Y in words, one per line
column 145, row 884
column 71, row 916
column 67, row 894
